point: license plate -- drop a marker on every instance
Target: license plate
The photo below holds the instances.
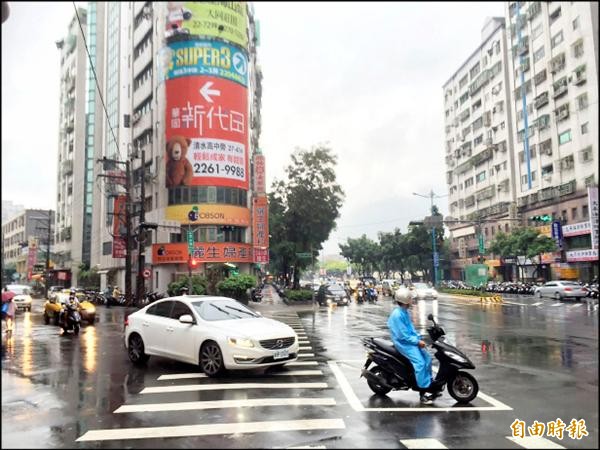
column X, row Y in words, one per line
column 280, row 354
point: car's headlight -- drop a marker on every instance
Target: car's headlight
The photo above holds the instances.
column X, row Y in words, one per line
column 241, row 342
column 455, row 357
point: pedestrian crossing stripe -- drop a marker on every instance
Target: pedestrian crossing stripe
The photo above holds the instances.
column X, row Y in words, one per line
column 306, row 355
column 302, row 363
column 422, row 443
column 229, row 386
column 215, row 404
column 184, row 376
column 534, row 442
column 212, row 429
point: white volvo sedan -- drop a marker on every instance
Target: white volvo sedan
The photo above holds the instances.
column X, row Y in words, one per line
column 218, row 333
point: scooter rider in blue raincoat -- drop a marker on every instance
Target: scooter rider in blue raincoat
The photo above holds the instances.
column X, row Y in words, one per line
column 409, row 343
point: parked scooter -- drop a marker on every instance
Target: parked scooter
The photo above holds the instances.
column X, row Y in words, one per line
column 70, row 317
column 393, row 371
column 256, row 295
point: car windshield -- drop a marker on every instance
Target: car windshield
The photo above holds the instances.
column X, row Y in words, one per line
column 570, row 283
column 421, row 285
column 335, row 289
column 222, row 309
column 19, row 290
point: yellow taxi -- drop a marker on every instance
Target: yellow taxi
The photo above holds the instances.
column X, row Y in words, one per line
column 53, row 306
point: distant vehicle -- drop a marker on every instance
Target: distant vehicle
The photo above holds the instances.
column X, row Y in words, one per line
column 53, row 291
column 423, row 290
column 22, row 296
column 331, row 293
column 388, row 287
column 561, row 289
column 368, row 280
column 216, row 333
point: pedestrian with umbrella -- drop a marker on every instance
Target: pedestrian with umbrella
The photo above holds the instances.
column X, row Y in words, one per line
column 8, row 310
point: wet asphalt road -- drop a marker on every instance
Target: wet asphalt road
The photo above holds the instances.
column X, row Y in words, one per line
column 536, row 360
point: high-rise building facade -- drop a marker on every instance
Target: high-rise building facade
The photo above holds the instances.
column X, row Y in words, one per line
column 549, row 115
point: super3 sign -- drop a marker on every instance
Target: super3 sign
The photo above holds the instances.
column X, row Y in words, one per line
column 213, row 113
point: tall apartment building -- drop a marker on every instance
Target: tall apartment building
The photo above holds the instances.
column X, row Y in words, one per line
column 10, row 210
column 554, row 55
column 552, row 168
column 168, row 82
column 479, row 144
column 70, row 234
column 23, row 235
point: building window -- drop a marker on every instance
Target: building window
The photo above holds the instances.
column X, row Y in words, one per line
column 468, row 182
column 555, row 15
column 576, row 23
column 574, row 213
column 556, row 39
column 480, row 176
column 474, row 71
column 578, row 48
column 564, row 137
column 463, row 82
column 538, row 54
column 547, row 170
column 537, row 31
column 584, row 212
column 584, row 128
column 585, row 155
column 582, row 101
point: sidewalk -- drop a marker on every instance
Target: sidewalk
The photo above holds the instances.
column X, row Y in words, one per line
column 272, row 302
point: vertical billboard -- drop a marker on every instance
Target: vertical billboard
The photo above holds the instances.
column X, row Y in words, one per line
column 119, row 227
column 31, row 257
column 223, row 20
column 259, row 174
column 593, row 211
column 260, row 229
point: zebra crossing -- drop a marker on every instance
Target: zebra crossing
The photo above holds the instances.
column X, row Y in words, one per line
column 262, row 391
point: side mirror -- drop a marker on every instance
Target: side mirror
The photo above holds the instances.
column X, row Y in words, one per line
column 186, row 318
column 430, row 316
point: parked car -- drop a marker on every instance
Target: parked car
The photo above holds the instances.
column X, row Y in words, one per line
column 561, row 289
column 22, row 296
column 332, row 293
column 217, row 333
column 423, row 290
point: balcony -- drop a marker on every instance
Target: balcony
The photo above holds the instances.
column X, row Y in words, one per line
column 142, row 61
column 579, row 76
column 486, row 193
column 560, row 88
column 143, row 28
column 567, row 188
column 142, row 93
column 143, row 124
column 541, row 100
column 67, row 167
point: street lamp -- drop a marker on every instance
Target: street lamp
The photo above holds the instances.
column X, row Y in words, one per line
column 435, row 255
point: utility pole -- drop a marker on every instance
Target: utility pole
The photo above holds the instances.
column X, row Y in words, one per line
column 141, row 233
column 48, row 229
column 435, row 255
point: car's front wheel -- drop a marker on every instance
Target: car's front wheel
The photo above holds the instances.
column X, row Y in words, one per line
column 211, row 359
column 135, row 351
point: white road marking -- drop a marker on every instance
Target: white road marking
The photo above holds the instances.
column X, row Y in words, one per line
column 242, row 403
column 309, row 446
column 534, row 442
column 216, row 387
column 422, row 443
column 213, row 429
column 356, row 404
column 557, row 304
column 303, row 341
column 306, row 355
column 576, row 305
column 302, row 363
column 184, row 376
column 304, row 348
column 514, row 303
column 537, row 303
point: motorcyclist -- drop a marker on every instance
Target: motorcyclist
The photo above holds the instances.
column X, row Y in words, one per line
column 72, row 299
column 409, row 343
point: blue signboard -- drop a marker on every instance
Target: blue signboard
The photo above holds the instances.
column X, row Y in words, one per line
column 436, row 259
column 556, row 230
column 208, row 58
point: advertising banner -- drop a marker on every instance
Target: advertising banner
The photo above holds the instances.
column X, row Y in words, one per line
column 206, row 132
column 593, row 209
column 576, row 229
column 203, row 252
column 550, row 257
column 259, row 174
column 582, row 255
column 119, row 228
column 225, row 20
column 260, row 222
column 31, row 257
column 261, row 255
column 210, row 58
column 209, row 214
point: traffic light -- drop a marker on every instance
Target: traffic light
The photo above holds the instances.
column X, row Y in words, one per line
column 542, row 218
column 193, row 263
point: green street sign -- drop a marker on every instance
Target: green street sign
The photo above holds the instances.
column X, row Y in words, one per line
column 303, row 255
column 190, row 241
column 481, row 245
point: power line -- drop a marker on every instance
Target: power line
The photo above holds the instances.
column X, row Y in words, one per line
column 96, row 78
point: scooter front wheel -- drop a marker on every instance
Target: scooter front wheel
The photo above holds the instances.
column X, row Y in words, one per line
column 463, row 387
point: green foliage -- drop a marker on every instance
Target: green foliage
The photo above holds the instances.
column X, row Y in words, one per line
column 521, row 242
column 298, row 295
column 88, row 278
column 303, row 209
column 236, row 286
column 199, row 285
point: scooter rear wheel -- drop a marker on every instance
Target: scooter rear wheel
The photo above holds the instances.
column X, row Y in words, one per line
column 376, row 387
column 463, row 387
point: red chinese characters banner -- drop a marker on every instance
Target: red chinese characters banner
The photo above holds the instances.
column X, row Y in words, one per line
column 260, row 228
column 203, row 252
column 259, row 174
column 119, row 248
column 206, row 132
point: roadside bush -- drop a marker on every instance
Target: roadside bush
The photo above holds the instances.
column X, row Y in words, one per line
column 472, row 292
column 198, row 285
column 298, row 295
column 236, row 286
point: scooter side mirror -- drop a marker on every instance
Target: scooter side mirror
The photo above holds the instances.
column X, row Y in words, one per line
column 430, row 316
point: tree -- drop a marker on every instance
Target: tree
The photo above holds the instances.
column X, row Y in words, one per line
column 526, row 242
column 88, row 278
column 303, row 210
column 363, row 252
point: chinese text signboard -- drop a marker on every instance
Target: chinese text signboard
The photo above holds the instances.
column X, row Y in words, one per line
column 206, row 132
column 225, row 20
column 593, row 209
column 576, row 229
column 203, row 252
column 582, row 255
column 119, row 226
column 210, row 58
column 260, row 221
column 259, row 174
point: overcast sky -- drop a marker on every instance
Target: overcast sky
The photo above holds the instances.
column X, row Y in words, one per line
column 365, row 78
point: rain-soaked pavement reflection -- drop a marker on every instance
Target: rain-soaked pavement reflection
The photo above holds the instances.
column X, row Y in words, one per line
column 534, row 361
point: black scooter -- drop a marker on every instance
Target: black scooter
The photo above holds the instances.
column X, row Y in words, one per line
column 394, row 371
column 71, row 319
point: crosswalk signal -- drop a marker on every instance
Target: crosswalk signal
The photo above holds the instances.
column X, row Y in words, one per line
column 541, row 218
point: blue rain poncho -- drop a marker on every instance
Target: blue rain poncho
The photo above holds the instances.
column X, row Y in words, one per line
column 406, row 340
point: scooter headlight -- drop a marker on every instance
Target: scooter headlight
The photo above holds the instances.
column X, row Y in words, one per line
column 455, row 357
